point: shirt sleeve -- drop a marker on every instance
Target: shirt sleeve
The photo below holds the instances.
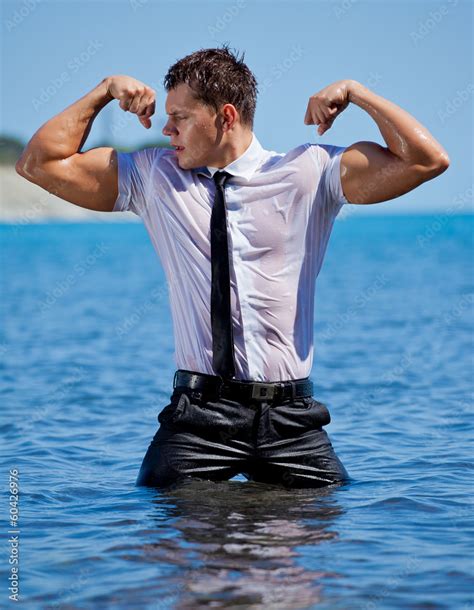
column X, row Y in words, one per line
column 134, row 173
column 330, row 193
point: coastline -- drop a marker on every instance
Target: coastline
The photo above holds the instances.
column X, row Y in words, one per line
column 22, row 202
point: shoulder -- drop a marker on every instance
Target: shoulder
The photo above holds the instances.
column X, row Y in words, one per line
column 320, row 154
column 272, row 159
column 306, row 157
column 145, row 159
column 324, row 154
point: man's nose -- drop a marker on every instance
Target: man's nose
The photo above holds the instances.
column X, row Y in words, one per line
column 168, row 131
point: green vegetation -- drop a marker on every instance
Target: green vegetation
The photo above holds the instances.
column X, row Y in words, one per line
column 10, row 150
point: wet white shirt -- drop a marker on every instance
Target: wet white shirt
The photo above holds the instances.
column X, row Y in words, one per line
column 280, row 212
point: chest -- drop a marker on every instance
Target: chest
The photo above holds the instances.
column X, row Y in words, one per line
column 264, row 220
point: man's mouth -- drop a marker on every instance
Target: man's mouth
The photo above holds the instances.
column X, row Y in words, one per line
column 179, row 148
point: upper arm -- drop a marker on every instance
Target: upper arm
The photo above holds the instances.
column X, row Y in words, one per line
column 371, row 173
column 88, row 179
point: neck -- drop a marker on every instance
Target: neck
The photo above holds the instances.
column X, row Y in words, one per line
column 233, row 150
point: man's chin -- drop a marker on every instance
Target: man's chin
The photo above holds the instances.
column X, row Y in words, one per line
column 186, row 164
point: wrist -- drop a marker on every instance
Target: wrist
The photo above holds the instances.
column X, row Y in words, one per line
column 104, row 89
column 355, row 91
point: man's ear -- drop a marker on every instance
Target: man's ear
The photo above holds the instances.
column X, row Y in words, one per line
column 229, row 115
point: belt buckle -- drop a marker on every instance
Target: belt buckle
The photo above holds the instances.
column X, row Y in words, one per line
column 263, row 391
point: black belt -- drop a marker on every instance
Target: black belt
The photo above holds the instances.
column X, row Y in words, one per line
column 242, row 390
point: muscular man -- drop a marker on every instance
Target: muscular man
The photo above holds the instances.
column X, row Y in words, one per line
column 241, row 232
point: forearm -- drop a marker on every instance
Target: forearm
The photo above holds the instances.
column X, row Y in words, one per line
column 404, row 135
column 64, row 134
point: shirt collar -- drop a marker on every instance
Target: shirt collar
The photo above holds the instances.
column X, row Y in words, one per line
column 242, row 167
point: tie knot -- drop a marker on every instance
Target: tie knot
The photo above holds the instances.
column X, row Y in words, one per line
column 220, row 178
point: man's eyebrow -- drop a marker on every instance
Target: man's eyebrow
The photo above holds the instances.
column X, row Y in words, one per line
column 177, row 112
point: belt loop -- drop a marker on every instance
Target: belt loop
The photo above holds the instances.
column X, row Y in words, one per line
column 174, row 379
column 293, row 391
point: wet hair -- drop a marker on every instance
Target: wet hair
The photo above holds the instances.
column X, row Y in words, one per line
column 217, row 77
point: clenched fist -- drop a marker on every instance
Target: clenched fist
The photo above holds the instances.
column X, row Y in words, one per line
column 327, row 104
column 133, row 96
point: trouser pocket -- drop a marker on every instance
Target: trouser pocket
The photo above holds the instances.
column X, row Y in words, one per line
column 219, row 420
column 299, row 416
column 172, row 411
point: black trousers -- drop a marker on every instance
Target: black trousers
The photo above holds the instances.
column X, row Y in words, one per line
column 215, row 439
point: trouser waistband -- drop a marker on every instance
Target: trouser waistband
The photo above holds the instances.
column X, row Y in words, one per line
column 243, row 390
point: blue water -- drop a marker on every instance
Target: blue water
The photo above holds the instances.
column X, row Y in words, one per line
column 87, row 364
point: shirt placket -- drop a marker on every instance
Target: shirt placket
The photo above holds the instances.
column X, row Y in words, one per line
column 241, row 276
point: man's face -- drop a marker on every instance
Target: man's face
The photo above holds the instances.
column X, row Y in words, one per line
column 192, row 127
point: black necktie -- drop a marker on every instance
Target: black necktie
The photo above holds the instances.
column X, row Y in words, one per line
column 221, row 315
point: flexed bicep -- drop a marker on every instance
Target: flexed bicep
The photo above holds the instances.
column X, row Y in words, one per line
column 370, row 173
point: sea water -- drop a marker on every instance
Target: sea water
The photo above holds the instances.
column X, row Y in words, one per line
column 87, row 364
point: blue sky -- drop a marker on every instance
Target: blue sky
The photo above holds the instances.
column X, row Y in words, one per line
column 418, row 54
